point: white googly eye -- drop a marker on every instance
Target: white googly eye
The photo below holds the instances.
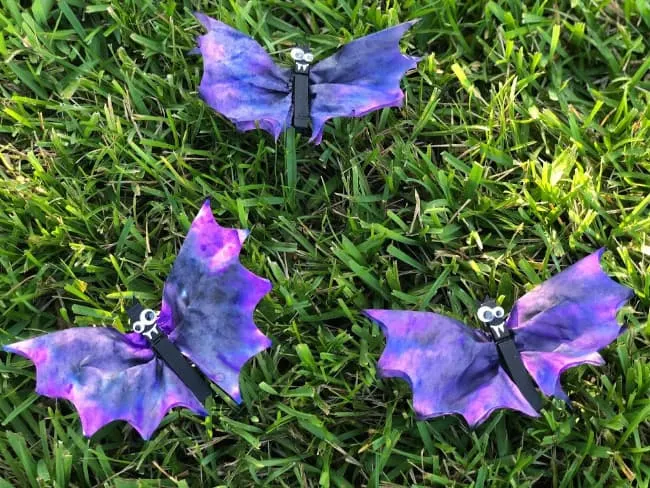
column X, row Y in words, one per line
column 297, row 54
column 138, row 327
column 498, row 312
column 147, row 316
column 308, row 57
column 485, row 314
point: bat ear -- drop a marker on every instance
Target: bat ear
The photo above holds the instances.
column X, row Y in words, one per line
column 134, row 310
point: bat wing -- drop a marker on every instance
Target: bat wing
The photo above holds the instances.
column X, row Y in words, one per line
column 241, row 81
column 107, row 376
column 361, row 77
column 208, row 302
column 451, row 368
column 566, row 320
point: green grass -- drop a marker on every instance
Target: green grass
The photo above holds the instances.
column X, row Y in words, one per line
column 523, row 146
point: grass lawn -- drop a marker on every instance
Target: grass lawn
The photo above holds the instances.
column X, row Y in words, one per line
column 523, row 146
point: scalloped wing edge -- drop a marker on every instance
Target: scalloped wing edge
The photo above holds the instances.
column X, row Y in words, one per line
column 257, row 293
column 472, row 420
column 319, row 126
column 568, row 361
column 274, row 127
column 89, row 423
column 264, row 342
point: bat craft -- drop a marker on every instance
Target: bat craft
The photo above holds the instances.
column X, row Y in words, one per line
column 455, row 369
column 205, row 324
column 241, row 81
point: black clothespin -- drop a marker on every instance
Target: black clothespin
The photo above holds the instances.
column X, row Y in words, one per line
column 144, row 322
column 494, row 319
column 302, row 58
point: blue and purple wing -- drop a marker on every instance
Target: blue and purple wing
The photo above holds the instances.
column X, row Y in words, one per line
column 107, row 376
column 566, row 320
column 361, row 77
column 207, row 311
column 240, row 80
column 451, row 368
column 208, row 302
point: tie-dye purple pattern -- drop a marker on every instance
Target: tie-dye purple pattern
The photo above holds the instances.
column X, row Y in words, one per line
column 451, row 368
column 208, row 303
column 564, row 321
column 241, row 81
column 361, row 77
column 207, row 310
column 107, row 376
column 455, row 369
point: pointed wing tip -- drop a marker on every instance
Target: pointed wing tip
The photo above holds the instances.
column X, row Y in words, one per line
column 405, row 26
column 386, row 318
column 264, row 342
column 385, row 372
column 205, row 217
column 377, row 316
column 21, row 348
column 205, row 213
column 207, row 21
column 257, row 342
column 473, row 421
column 379, row 313
column 370, row 312
column 273, row 127
column 414, row 62
column 258, row 287
column 89, row 431
column 597, row 256
column 268, row 287
column 316, row 137
column 203, row 19
column 243, row 235
column 90, row 426
column 146, row 434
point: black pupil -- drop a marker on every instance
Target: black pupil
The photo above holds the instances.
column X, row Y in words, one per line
column 488, row 315
column 149, row 316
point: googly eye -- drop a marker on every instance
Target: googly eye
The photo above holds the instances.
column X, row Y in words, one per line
column 147, row 316
column 297, row 54
column 138, row 327
column 498, row 312
column 485, row 314
column 308, row 57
